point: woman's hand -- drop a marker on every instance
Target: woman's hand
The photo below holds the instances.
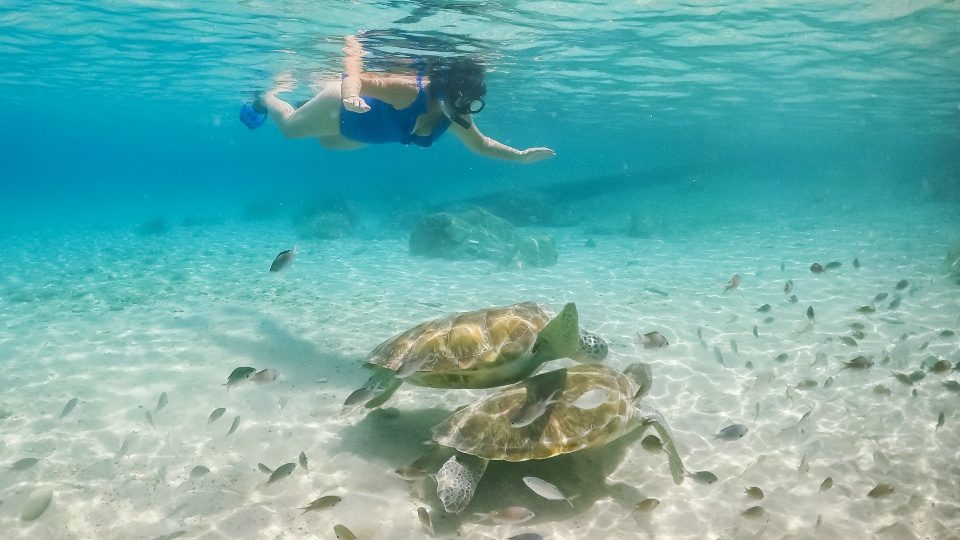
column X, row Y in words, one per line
column 355, row 104
column 533, row 155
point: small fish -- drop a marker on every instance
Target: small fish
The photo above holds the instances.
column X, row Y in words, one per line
column 68, row 407
column 829, row 382
column 860, row 362
column 924, row 346
column 754, row 492
column 940, row 420
column 734, row 283
column 327, row 501
column 748, row 364
column 833, row 265
column 881, row 390
column 24, row 464
column 303, row 461
column 234, row 426
column 412, row 365
column 424, row 516
column 946, row 333
column 264, row 469
column 753, row 512
column 282, row 402
column 901, row 285
column 866, row 310
column 903, row 377
column 651, row 443
column 756, row 332
column 733, row 346
column 940, row 366
column 161, row 403
column 216, row 414
column 782, row 357
column 810, row 312
column 952, row 385
column 343, row 533
column 647, row 505
column 894, row 304
column 652, row 340
column 198, row 472
column 917, row 375
column 915, row 394
column 526, row 536
column 856, row 263
column 410, row 472
column 847, row 340
column 806, row 384
column 357, row 398
column 764, row 308
column 788, row 288
column 545, row 489
column 281, row 472
column 820, row 516
column 718, row 356
column 881, row 490
column 529, row 413
column 793, row 299
column 783, row 267
column 703, row 477
column 513, row 515
column 239, row 375
column 816, row 268
column 655, row 290
column 804, row 466
column 283, row 260
column 732, row 432
column 756, row 414
column 591, row 399
column 265, row 376
column 826, row 484
column 880, row 297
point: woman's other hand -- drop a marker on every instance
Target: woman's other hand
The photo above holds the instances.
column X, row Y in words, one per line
column 533, row 155
column 355, row 104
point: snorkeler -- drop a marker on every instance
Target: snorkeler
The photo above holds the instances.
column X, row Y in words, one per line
column 371, row 108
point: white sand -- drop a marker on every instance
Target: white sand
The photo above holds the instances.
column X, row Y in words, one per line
column 115, row 319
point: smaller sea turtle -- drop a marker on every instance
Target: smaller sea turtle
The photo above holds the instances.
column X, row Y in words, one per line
column 477, row 349
column 576, row 420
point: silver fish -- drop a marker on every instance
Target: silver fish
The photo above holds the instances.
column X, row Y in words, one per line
column 513, row 515
column 764, row 308
column 591, row 399
column 732, row 432
column 424, row 518
column 832, row 265
column 343, row 533
column 234, row 426
column 198, row 472
column 239, row 375
column 281, row 472
column 283, row 260
column 412, row 365
column 718, row 356
column 161, row 403
column 881, row 390
column 754, row 492
column 829, row 382
column 782, row 357
column 410, row 472
column 880, row 297
column 894, row 304
column 24, row 464
column 653, row 340
column 902, row 284
column 753, row 512
column 265, row 376
column 530, row 412
column 810, row 315
column 756, row 332
column 264, row 469
column 327, row 501
column 940, row 420
column 806, row 384
column 526, row 536
column 703, row 477
column 216, row 414
column 826, row 484
column 545, row 489
column 734, row 283
column 788, row 288
column 303, row 461
column 647, row 505
column 68, row 407
column 881, row 490
column 847, row 340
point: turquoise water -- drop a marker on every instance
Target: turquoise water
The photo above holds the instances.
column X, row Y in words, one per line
column 694, row 142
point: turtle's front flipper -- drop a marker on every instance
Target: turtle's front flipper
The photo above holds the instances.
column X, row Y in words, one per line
column 375, row 392
column 653, row 417
column 458, row 479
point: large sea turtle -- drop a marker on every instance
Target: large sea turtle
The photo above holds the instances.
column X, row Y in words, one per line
column 477, row 349
column 484, row 431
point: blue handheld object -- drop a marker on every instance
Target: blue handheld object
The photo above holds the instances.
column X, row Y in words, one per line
column 250, row 117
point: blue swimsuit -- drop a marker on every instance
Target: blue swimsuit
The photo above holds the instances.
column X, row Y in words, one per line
column 385, row 124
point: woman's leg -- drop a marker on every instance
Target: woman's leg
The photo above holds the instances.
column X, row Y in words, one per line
column 319, row 117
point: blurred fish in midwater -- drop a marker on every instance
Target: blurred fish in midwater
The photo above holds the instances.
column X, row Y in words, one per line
column 161, row 403
column 816, row 268
column 806, row 384
column 860, row 362
column 833, row 265
column 952, row 385
column 793, row 299
column 880, row 297
column 732, row 432
column 647, row 505
column 327, row 501
column 703, row 477
column 826, row 484
column 894, row 304
column 829, row 382
column 734, row 283
column 810, row 313
column 652, row 340
column 265, row 376
column 283, row 260
column 733, row 346
column 510, row 515
column 756, row 332
column 764, row 308
column 881, row 390
column 24, row 464
column 303, row 461
column 881, row 490
column 754, row 493
column 343, row 533
column 847, row 340
column 239, row 375
column 940, row 420
column 866, row 310
column 788, row 288
column 901, row 285
column 234, row 426
column 718, row 356
column 753, row 512
column 216, row 414
column 264, row 469
column 68, row 407
column 782, row 357
column 424, row 516
column 281, row 472
column 856, row 263
column 198, row 472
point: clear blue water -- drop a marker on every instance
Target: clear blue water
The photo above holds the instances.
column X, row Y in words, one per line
column 124, row 110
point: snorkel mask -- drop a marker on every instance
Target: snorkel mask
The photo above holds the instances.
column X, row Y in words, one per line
column 457, row 109
column 459, row 86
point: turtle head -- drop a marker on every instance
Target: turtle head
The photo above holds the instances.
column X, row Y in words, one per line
column 591, row 348
column 641, row 374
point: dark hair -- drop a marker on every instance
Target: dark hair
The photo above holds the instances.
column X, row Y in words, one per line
column 457, row 79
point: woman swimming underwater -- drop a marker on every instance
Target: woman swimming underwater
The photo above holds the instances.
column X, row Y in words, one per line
column 372, row 108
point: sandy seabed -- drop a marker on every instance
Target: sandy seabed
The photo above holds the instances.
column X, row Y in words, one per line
column 115, row 319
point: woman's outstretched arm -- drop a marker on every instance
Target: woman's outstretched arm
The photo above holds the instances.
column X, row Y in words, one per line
column 352, row 68
column 482, row 145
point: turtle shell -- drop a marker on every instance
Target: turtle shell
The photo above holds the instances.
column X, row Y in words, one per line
column 481, row 339
column 483, row 428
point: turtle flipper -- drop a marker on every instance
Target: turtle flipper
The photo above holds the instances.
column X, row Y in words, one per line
column 653, row 417
column 375, row 392
column 560, row 338
column 457, row 479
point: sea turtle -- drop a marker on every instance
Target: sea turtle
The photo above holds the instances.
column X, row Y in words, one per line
column 483, row 430
column 477, row 349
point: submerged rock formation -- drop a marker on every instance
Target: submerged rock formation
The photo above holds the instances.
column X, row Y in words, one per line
column 477, row 234
column 326, row 217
